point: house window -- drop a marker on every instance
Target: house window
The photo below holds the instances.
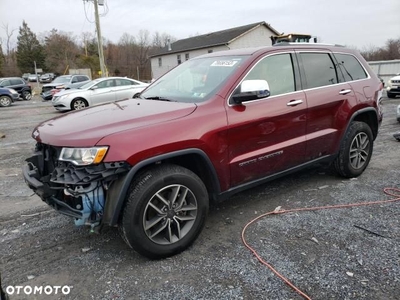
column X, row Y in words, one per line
column 159, row 61
column 179, row 59
column 210, row 51
column 187, row 56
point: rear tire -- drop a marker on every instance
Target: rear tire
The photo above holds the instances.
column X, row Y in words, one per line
column 165, row 211
column 355, row 151
column 26, row 95
column 5, row 101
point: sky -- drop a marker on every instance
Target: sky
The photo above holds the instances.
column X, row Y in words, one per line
column 362, row 24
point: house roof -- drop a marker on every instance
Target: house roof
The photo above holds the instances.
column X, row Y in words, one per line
column 212, row 39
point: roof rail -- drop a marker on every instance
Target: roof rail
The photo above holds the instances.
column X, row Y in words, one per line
column 303, row 44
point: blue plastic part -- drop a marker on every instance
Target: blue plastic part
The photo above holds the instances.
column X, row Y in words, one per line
column 92, row 202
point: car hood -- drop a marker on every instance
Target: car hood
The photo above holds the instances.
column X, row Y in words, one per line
column 86, row 127
column 51, row 84
column 67, row 92
column 395, row 78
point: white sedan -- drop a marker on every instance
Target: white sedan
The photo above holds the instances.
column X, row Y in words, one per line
column 97, row 91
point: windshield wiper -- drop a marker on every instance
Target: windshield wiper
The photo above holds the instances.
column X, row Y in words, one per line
column 159, row 98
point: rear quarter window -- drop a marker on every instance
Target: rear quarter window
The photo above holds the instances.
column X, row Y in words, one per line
column 350, row 67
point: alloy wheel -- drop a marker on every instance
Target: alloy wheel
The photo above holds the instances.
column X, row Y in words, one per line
column 359, row 150
column 170, row 214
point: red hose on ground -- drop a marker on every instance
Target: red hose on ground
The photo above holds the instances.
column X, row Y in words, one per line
column 394, row 192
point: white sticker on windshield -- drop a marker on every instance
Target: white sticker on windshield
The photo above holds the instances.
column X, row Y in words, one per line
column 224, row 63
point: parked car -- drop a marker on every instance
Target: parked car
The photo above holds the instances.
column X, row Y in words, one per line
column 25, row 76
column 33, row 77
column 18, row 84
column 48, row 95
column 393, row 86
column 8, row 96
column 45, row 77
column 211, row 127
column 63, row 82
column 97, row 91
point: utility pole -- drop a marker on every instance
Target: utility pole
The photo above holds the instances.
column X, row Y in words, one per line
column 99, row 39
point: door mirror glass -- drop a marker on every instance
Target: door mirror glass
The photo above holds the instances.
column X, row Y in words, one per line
column 250, row 90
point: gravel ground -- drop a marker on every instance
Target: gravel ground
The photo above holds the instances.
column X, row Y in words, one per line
column 351, row 253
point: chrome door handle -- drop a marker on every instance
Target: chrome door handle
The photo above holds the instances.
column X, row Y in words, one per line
column 344, row 92
column 294, row 102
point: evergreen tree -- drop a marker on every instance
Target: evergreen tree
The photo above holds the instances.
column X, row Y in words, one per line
column 29, row 50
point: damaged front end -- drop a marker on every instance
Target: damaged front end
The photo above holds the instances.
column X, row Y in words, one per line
column 75, row 190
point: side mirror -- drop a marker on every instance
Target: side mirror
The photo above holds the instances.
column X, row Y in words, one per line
column 250, row 90
column 95, row 87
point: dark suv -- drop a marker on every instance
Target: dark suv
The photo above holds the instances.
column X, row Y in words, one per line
column 213, row 126
column 18, row 84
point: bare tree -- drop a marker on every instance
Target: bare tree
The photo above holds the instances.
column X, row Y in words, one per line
column 390, row 51
column 9, row 34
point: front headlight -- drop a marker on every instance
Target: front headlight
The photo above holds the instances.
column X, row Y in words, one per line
column 83, row 156
column 13, row 91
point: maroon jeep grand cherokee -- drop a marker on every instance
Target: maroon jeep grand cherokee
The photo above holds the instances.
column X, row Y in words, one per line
column 213, row 126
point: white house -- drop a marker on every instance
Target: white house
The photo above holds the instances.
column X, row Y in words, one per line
column 252, row 35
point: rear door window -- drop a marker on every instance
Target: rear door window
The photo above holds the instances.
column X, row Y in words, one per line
column 350, row 67
column 319, row 69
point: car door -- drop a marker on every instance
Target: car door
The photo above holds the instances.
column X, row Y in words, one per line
column 329, row 100
column 102, row 92
column 267, row 136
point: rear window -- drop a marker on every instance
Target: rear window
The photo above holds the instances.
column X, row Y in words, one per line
column 350, row 67
column 62, row 79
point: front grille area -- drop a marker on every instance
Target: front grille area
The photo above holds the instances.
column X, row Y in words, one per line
column 47, row 88
column 48, row 160
column 395, row 81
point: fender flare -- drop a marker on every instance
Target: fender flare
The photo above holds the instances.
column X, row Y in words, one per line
column 116, row 195
column 354, row 115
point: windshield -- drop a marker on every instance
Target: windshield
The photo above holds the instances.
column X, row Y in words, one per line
column 89, row 84
column 62, row 79
column 195, row 80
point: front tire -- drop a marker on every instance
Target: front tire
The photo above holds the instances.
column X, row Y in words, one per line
column 390, row 95
column 5, row 101
column 355, row 151
column 165, row 211
column 79, row 103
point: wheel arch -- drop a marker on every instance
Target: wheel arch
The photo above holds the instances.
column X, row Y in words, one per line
column 195, row 160
column 369, row 116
